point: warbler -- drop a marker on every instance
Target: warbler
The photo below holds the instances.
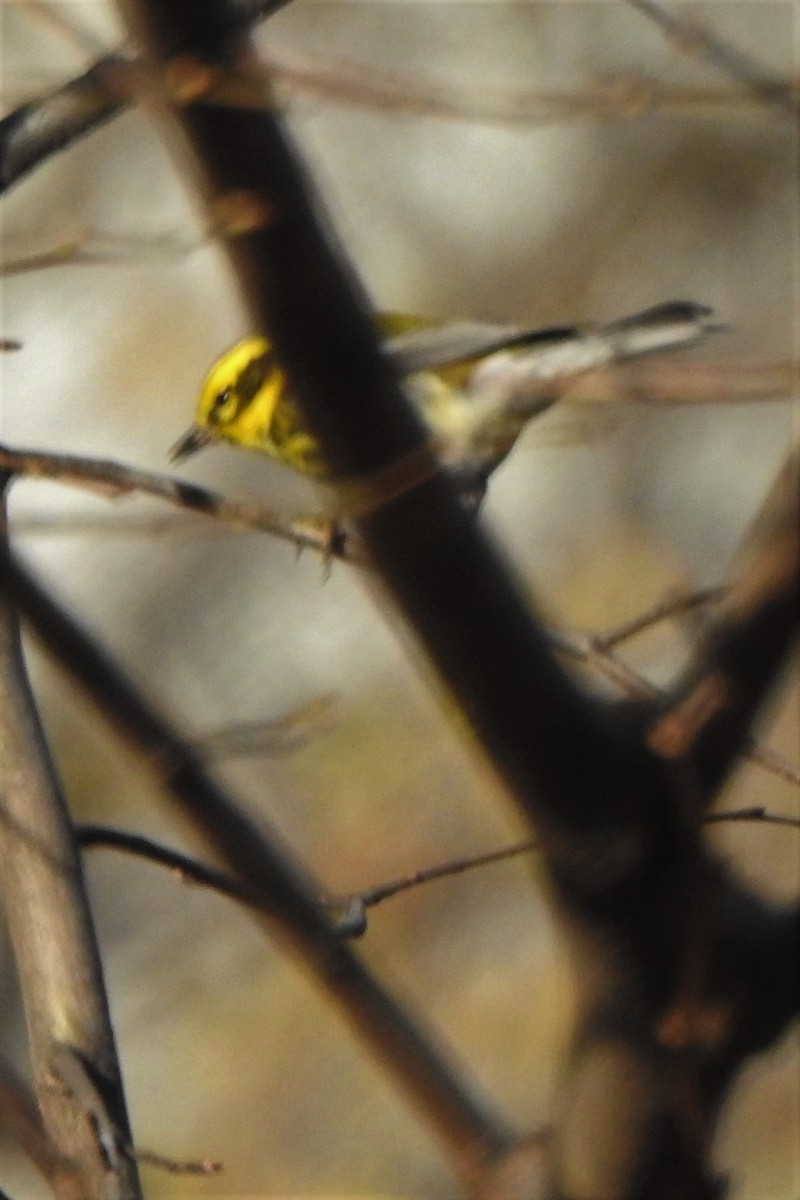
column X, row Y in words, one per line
column 476, row 384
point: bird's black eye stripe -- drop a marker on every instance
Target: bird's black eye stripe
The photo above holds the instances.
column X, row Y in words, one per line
column 253, row 376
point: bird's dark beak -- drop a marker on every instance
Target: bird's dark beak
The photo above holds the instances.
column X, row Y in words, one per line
column 193, row 440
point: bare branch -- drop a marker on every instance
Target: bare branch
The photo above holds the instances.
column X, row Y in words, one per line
column 627, row 96
column 689, row 35
column 185, row 867
column 746, row 644
column 331, row 540
column 671, row 383
column 203, row 1166
column 52, row 121
column 386, row 891
column 114, row 479
column 348, row 913
column 590, row 649
column 666, row 609
column 276, row 886
column 89, row 248
column 20, row 1116
column 54, row 942
column 41, row 127
column 757, row 814
column 58, row 524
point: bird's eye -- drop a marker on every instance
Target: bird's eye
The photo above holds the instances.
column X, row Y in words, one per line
column 217, row 412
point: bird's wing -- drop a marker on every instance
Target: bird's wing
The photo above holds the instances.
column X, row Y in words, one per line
column 663, row 327
column 448, row 345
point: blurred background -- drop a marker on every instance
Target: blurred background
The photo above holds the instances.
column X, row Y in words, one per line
column 228, row 1051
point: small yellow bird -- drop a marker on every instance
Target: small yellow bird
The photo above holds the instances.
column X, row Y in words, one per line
column 245, row 398
column 476, row 384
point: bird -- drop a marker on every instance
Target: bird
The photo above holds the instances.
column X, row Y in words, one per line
column 476, row 384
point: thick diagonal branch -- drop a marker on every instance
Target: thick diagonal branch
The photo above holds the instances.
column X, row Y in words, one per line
column 554, row 746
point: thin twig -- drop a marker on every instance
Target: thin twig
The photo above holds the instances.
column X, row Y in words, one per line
column 663, row 610
column 346, row 916
column 114, row 479
column 204, row 1166
column 670, row 383
column 81, row 524
column 185, row 867
column 755, row 813
column 374, row 895
column 696, row 39
column 583, row 648
column 91, row 248
column 49, row 123
column 626, row 96
column 385, row 891
column 343, row 908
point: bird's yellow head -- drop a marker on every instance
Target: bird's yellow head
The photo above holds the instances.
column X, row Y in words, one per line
column 245, row 400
